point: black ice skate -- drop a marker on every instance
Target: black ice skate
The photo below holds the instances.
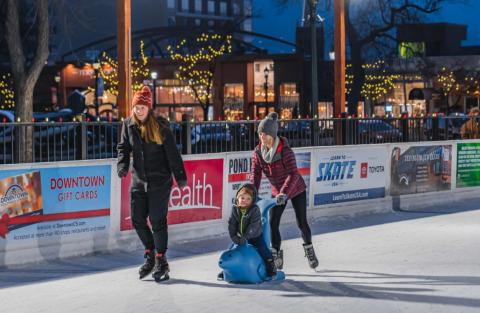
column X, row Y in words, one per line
column 147, row 267
column 310, row 255
column 278, row 257
column 161, row 269
column 271, row 268
column 220, row 276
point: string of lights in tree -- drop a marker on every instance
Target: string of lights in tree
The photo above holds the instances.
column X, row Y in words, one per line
column 377, row 81
column 348, row 79
column 7, row 95
column 447, row 81
column 196, row 66
column 109, row 71
column 459, row 82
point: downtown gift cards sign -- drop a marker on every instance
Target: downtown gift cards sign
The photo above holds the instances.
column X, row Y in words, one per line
column 53, row 202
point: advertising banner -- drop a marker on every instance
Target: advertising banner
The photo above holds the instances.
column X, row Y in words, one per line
column 347, row 174
column 239, row 165
column 200, row 200
column 417, row 169
column 53, row 202
column 468, row 164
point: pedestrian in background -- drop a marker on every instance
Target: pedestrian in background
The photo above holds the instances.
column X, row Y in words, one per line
column 471, row 129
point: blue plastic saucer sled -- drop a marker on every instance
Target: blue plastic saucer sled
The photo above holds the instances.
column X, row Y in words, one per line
column 242, row 263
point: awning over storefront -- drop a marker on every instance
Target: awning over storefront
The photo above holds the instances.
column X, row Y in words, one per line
column 423, row 94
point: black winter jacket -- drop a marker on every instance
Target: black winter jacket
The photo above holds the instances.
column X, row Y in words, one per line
column 248, row 225
column 153, row 164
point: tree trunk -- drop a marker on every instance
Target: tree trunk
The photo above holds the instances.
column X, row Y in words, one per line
column 25, row 78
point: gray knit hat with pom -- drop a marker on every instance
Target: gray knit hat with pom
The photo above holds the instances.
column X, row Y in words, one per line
column 269, row 125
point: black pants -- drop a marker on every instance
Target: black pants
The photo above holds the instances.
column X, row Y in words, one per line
column 300, row 206
column 152, row 204
column 262, row 247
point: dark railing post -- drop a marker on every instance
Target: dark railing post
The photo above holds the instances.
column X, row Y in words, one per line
column 435, row 128
column 314, row 132
column 186, row 135
column 404, row 125
column 84, row 138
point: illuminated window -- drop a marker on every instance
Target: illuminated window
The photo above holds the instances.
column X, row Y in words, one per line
column 233, row 101
column 411, row 49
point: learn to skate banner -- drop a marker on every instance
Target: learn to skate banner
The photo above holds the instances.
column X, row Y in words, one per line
column 348, row 174
column 200, row 200
column 418, row 169
column 239, row 166
column 468, row 164
column 54, row 202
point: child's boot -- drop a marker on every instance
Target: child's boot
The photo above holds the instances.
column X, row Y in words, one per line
column 278, row 257
column 271, row 268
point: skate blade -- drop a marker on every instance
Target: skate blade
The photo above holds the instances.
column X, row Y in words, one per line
column 163, row 278
column 145, row 275
column 280, row 275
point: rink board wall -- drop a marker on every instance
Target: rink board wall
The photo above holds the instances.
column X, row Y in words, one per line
column 57, row 210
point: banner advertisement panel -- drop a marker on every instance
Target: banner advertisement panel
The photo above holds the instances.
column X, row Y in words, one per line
column 200, row 200
column 418, row 169
column 239, row 165
column 468, row 164
column 53, row 202
column 348, row 174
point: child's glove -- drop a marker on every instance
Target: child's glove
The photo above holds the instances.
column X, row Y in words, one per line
column 239, row 240
column 281, row 199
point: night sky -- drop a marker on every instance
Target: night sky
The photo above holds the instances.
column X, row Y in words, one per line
column 281, row 23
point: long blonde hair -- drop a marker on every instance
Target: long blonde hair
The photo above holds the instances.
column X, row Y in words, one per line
column 149, row 129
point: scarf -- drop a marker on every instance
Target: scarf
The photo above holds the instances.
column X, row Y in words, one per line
column 267, row 154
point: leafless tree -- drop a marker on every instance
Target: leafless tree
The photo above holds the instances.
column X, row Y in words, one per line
column 26, row 67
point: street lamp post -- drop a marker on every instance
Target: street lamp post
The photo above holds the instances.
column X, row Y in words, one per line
column 96, row 68
column 154, row 76
column 339, row 63
column 313, row 32
column 266, row 71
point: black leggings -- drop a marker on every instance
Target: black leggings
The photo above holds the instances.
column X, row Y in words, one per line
column 299, row 203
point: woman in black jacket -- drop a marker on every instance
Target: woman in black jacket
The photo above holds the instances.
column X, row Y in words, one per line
column 155, row 158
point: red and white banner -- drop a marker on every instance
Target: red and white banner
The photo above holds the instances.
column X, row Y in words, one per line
column 200, row 200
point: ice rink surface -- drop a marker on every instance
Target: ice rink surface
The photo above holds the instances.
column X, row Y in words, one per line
column 397, row 262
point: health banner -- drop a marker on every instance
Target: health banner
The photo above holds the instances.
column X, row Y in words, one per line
column 239, row 166
column 348, row 174
column 54, row 202
column 468, row 164
column 418, row 169
column 200, row 200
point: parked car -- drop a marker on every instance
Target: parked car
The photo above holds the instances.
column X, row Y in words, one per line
column 59, row 141
column 376, row 131
column 454, row 123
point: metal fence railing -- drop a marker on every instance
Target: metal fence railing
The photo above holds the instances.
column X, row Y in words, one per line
column 63, row 141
